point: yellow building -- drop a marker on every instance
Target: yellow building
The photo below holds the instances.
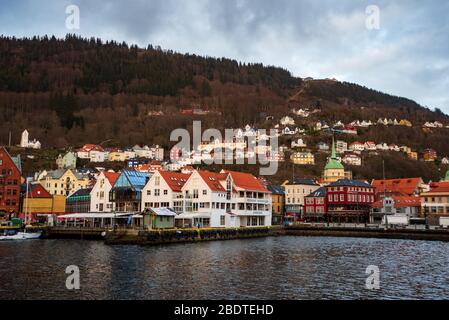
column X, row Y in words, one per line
column 334, row 170
column 40, row 200
column 405, row 123
column 63, row 182
column 303, row 158
column 117, row 156
column 412, row 155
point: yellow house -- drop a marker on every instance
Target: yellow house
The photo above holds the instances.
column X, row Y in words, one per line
column 303, row 158
column 117, row 156
column 63, row 182
column 40, row 200
column 405, row 123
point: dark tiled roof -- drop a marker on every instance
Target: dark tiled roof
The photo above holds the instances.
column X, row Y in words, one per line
column 301, row 181
column 350, row 183
column 276, row 189
column 81, row 193
column 319, row 193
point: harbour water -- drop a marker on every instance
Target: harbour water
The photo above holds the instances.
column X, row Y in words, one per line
column 264, row 268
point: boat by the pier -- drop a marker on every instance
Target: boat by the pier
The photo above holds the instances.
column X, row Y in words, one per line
column 17, row 234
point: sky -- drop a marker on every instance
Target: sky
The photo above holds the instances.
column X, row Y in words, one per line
column 399, row 47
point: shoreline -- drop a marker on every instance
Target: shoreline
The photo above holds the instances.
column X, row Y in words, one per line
column 163, row 237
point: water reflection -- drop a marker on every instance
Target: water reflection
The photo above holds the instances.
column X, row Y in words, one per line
column 270, row 268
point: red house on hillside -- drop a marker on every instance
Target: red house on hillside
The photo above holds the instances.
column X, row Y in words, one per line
column 10, row 180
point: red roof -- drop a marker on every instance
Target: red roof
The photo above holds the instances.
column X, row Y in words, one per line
column 402, row 186
column 213, row 179
column 38, row 191
column 247, row 181
column 175, row 180
column 90, row 147
column 112, row 177
column 401, row 202
column 438, row 189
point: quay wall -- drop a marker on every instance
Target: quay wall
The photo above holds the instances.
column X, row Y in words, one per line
column 406, row 234
column 120, row 237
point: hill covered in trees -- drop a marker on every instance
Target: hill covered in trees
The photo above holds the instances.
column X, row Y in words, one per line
column 72, row 91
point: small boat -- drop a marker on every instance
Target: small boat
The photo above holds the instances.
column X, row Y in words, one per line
column 14, row 234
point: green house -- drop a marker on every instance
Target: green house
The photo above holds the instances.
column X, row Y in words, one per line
column 159, row 218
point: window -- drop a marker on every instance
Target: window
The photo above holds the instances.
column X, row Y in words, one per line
column 204, row 192
column 165, row 192
column 222, row 220
column 157, row 192
column 148, row 192
column 195, row 194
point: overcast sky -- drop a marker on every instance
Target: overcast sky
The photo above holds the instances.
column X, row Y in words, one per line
column 407, row 56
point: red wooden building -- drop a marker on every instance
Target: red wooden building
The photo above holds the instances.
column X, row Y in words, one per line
column 315, row 206
column 10, row 180
column 349, row 200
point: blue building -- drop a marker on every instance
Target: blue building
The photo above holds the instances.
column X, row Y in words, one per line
column 127, row 190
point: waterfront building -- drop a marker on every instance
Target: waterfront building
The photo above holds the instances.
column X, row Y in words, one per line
column 78, row 202
column 303, row 158
column 226, row 199
column 349, row 200
column 277, row 203
column 295, row 192
column 334, row 170
column 99, row 196
column 164, row 190
column 126, row 194
column 63, row 182
column 10, row 180
column 400, row 187
column 67, row 161
column 435, row 203
column 315, row 205
column 409, row 206
column 159, row 218
column 40, row 201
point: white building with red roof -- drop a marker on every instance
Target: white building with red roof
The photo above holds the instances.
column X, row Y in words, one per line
column 224, row 200
column 99, row 196
column 164, row 190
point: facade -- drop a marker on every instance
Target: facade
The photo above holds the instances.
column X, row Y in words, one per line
column 357, row 146
column 409, row 206
column 315, row 207
column 435, row 204
column 99, row 196
column 126, row 194
column 159, row 218
column 277, row 203
column 349, row 200
column 79, row 202
column 63, row 182
column 40, row 201
column 303, row 158
column 117, row 156
column 67, row 161
column 295, row 192
column 10, row 180
column 226, row 199
column 164, row 190
column 334, row 170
